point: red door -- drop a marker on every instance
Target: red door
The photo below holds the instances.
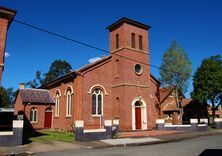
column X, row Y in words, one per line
column 48, row 118
column 138, row 117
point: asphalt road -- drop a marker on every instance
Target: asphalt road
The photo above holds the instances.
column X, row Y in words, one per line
column 191, row 147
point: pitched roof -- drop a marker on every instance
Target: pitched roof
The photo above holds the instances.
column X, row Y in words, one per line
column 76, row 72
column 36, row 96
column 165, row 92
column 128, row 21
column 172, row 106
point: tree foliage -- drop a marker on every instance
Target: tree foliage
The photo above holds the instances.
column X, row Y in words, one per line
column 207, row 82
column 57, row 69
column 175, row 69
column 7, row 96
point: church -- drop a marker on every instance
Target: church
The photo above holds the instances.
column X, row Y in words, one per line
column 118, row 88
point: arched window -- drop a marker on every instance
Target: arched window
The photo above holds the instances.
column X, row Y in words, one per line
column 133, row 40
column 117, row 41
column 57, row 104
column 141, row 42
column 33, row 115
column 68, row 102
column 97, row 102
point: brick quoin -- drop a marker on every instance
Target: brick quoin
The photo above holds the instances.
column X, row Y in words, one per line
column 116, row 77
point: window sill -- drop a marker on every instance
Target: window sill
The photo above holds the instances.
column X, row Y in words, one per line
column 68, row 116
column 97, row 116
column 33, row 122
column 56, row 116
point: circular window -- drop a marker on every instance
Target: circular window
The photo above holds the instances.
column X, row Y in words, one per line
column 138, row 69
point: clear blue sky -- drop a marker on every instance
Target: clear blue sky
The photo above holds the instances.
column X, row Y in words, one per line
column 195, row 24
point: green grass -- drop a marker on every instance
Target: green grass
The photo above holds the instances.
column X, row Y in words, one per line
column 48, row 136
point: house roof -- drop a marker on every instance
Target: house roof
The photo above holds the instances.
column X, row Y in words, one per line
column 165, row 92
column 172, row 106
column 153, row 77
column 36, row 96
column 128, row 21
column 76, row 72
column 186, row 101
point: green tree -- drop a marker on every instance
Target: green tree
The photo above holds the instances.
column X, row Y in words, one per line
column 175, row 72
column 175, row 69
column 6, row 97
column 57, row 69
column 207, row 83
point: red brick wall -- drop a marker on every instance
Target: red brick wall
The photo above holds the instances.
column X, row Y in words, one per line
column 3, row 32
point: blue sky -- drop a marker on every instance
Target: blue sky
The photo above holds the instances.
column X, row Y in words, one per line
column 195, row 24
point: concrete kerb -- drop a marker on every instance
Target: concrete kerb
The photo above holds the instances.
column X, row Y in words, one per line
column 201, row 134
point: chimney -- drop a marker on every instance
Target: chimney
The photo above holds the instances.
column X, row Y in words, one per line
column 22, row 86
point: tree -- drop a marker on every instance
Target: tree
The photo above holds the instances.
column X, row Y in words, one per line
column 207, row 83
column 6, row 97
column 57, row 69
column 175, row 71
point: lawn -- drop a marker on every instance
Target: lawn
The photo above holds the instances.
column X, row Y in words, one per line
column 48, row 136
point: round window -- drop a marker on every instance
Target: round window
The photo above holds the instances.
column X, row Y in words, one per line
column 138, row 69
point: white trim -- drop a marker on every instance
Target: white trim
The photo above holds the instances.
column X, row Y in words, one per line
column 143, row 113
column 193, row 121
column 36, row 110
column 6, row 133
column 97, row 86
column 177, row 125
column 79, row 123
column 217, row 119
column 69, row 103
column 67, row 88
column 204, row 120
column 116, row 122
column 160, row 121
column 201, row 125
column 94, row 130
column 57, row 91
column 108, row 122
column 57, row 104
column 18, row 123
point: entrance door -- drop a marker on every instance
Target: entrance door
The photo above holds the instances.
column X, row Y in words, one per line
column 48, row 118
column 138, row 117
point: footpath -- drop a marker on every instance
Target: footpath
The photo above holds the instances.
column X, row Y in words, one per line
column 122, row 140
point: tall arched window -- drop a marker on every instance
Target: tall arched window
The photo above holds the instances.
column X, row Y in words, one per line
column 133, row 40
column 33, row 115
column 57, row 104
column 141, row 42
column 117, row 41
column 68, row 102
column 97, row 102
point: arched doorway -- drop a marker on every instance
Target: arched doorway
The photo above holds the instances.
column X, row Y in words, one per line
column 48, row 118
column 139, row 115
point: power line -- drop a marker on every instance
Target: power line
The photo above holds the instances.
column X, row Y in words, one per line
column 85, row 44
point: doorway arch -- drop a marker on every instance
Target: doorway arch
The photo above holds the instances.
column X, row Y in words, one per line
column 139, row 114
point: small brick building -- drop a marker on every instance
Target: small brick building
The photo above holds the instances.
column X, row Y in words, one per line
column 118, row 87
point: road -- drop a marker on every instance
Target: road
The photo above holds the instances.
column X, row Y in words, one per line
column 191, row 147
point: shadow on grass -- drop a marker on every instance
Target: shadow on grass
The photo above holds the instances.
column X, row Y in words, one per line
column 28, row 134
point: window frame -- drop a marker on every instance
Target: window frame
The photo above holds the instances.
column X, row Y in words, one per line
column 140, row 42
column 34, row 115
column 68, row 102
column 57, row 104
column 96, row 105
column 133, row 40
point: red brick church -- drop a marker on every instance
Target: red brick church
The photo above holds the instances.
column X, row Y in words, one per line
column 118, row 88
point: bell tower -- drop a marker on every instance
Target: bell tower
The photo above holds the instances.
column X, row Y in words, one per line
column 130, row 74
column 6, row 16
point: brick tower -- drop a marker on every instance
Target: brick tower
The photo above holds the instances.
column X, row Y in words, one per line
column 131, row 74
column 6, row 16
